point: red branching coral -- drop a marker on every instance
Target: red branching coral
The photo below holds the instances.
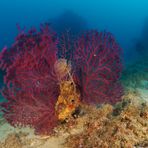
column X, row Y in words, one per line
column 98, row 61
column 31, row 85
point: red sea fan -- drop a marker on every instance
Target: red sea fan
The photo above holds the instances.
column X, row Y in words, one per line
column 24, row 109
column 31, row 86
column 98, row 61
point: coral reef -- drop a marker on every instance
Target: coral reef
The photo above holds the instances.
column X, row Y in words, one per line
column 35, row 76
column 113, row 127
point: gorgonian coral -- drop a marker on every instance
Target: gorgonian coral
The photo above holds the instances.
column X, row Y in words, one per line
column 98, row 62
column 32, row 77
column 31, row 85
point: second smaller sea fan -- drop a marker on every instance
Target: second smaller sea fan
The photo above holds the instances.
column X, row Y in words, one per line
column 98, row 60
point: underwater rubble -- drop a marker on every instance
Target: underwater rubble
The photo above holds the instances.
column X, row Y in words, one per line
column 125, row 125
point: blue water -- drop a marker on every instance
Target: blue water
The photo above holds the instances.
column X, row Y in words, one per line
column 124, row 18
